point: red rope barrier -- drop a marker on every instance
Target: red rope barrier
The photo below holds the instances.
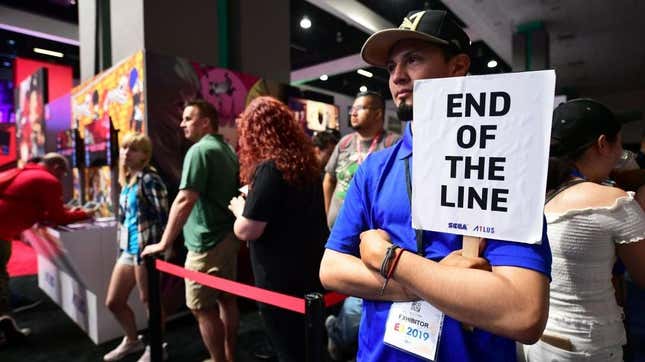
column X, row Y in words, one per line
column 333, row 298
column 261, row 295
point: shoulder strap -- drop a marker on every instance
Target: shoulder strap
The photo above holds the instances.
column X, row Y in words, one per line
column 389, row 139
column 553, row 193
column 345, row 142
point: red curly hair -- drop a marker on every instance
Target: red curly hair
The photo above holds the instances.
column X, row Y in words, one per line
column 268, row 131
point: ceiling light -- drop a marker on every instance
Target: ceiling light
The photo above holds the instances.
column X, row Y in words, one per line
column 363, row 88
column 365, row 73
column 324, row 77
column 305, row 23
column 492, row 64
column 48, row 52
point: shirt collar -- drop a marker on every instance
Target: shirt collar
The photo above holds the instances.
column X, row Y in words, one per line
column 406, row 145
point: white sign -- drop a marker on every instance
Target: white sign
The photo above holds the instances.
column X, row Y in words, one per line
column 481, row 147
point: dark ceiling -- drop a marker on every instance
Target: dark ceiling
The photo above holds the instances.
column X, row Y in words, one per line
column 327, row 39
column 331, row 38
column 65, row 10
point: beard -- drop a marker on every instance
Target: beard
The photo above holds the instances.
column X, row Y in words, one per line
column 404, row 112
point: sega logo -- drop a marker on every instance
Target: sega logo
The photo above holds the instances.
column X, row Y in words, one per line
column 456, row 225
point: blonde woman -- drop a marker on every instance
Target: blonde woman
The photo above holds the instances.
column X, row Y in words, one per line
column 143, row 212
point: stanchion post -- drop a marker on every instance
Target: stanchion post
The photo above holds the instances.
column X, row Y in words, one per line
column 314, row 327
column 154, row 310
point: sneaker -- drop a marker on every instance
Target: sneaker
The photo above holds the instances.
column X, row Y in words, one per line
column 19, row 303
column 264, row 351
column 124, row 348
column 11, row 331
column 332, row 348
column 331, row 319
column 145, row 357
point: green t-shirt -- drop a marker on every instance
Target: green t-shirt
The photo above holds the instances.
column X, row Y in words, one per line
column 211, row 169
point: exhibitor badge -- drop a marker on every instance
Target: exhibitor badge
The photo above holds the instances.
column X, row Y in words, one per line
column 414, row 327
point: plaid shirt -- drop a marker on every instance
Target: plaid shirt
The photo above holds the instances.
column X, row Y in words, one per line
column 152, row 211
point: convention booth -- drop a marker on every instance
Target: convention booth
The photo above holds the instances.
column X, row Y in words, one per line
column 143, row 93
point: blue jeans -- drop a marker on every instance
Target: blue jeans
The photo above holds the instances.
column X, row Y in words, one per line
column 344, row 330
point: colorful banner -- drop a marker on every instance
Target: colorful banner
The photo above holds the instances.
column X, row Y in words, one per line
column 30, row 100
column 117, row 93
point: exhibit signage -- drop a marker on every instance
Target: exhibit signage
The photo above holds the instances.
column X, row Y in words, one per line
column 480, row 154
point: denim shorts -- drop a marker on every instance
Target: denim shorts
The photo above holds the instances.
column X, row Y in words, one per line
column 128, row 259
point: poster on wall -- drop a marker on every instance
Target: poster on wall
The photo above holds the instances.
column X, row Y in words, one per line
column 315, row 116
column 30, row 100
column 116, row 93
column 172, row 81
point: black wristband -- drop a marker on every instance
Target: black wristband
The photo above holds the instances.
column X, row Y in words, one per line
column 387, row 259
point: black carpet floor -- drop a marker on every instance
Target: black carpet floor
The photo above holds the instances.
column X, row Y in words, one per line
column 55, row 337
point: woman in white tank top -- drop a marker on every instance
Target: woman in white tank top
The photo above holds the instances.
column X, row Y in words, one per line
column 589, row 226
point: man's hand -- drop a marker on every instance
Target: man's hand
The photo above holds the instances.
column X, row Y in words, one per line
column 152, row 249
column 373, row 246
column 237, row 205
column 456, row 259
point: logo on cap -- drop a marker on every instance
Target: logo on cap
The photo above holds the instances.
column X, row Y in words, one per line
column 412, row 22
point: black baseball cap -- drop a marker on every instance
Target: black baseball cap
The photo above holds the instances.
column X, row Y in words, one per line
column 578, row 123
column 434, row 26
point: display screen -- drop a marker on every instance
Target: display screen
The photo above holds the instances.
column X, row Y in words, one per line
column 68, row 144
column 98, row 143
column 98, row 189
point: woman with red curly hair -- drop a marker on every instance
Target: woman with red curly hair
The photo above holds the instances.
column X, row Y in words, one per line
column 283, row 215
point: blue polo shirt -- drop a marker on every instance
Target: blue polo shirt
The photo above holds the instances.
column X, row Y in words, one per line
column 377, row 198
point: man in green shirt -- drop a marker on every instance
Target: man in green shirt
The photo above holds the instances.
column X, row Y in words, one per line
column 208, row 182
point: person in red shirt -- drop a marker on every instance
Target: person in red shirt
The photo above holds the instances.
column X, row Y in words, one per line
column 27, row 196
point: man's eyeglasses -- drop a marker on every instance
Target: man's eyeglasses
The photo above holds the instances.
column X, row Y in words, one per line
column 360, row 108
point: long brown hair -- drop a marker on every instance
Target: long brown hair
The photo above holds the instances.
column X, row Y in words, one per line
column 269, row 131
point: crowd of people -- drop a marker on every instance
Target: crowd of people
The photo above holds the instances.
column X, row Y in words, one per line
column 327, row 213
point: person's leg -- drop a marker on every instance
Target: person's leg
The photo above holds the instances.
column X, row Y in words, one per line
column 230, row 317
column 203, row 303
column 212, row 330
column 121, row 284
column 285, row 331
column 224, row 265
column 5, row 254
column 348, row 322
column 141, row 276
column 8, row 328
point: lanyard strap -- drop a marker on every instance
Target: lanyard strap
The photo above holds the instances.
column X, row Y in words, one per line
column 576, row 173
column 371, row 148
column 408, row 183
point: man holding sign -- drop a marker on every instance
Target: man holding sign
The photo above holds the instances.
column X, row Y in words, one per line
column 373, row 251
